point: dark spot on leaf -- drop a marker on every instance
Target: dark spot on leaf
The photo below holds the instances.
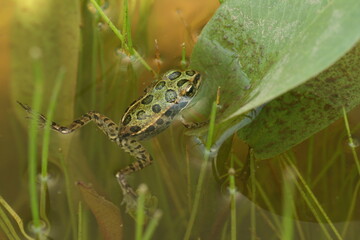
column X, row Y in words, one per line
column 327, row 107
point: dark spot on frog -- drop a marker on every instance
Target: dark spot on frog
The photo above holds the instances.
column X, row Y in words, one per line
column 168, row 113
column 150, row 129
column 141, row 115
column 135, row 129
column 174, row 75
column 196, row 79
column 170, row 96
column 127, row 119
column 125, row 136
column 79, row 122
column 181, row 82
column 160, row 85
column 190, row 73
column 159, row 121
column 156, row 108
column 148, row 99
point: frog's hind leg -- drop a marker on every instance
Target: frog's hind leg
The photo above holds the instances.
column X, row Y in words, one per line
column 143, row 159
column 104, row 123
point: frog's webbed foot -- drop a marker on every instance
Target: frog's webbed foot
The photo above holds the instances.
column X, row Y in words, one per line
column 33, row 115
column 131, row 199
column 191, row 125
column 127, row 190
column 144, row 159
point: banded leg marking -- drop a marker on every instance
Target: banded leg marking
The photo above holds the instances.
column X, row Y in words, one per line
column 192, row 125
column 104, row 123
column 143, row 159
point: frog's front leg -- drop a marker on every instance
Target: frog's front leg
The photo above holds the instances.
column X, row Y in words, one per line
column 143, row 159
column 190, row 125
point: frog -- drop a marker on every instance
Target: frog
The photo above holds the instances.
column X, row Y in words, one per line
column 145, row 118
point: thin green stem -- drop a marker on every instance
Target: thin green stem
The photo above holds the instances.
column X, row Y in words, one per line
column 351, row 142
column 140, row 214
column 313, row 198
column 119, row 35
column 108, row 21
column 351, row 210
column 47, row 129
column 152, row 225
column 232, row 189
column 16, row 217
column 127, row 27
column 288, row 204
column 183, row 56
column 202, row 172
column 33, row 140
column 80, row 222
column 69, row 195
column 253, row 196
column 6, row 226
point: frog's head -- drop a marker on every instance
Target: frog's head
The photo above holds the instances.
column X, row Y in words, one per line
column 192, row 86
column 186, row 82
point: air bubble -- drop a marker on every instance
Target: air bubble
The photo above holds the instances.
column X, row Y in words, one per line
column 91, row 8
column 100, row 26
column 40, row 230
column 35, row 52
column 355, row 142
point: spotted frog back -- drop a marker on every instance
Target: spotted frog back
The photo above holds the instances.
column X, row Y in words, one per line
column 152, row 113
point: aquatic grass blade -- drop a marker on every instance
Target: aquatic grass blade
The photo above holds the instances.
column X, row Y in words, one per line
column 202, row 170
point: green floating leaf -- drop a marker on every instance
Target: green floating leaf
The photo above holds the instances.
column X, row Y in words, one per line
column 307, row 109
column 259, row 50
column 106, row 213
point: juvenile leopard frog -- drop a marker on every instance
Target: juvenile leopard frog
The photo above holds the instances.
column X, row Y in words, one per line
column 145, row 118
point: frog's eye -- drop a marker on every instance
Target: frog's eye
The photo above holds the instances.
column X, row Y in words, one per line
column 190, row 91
